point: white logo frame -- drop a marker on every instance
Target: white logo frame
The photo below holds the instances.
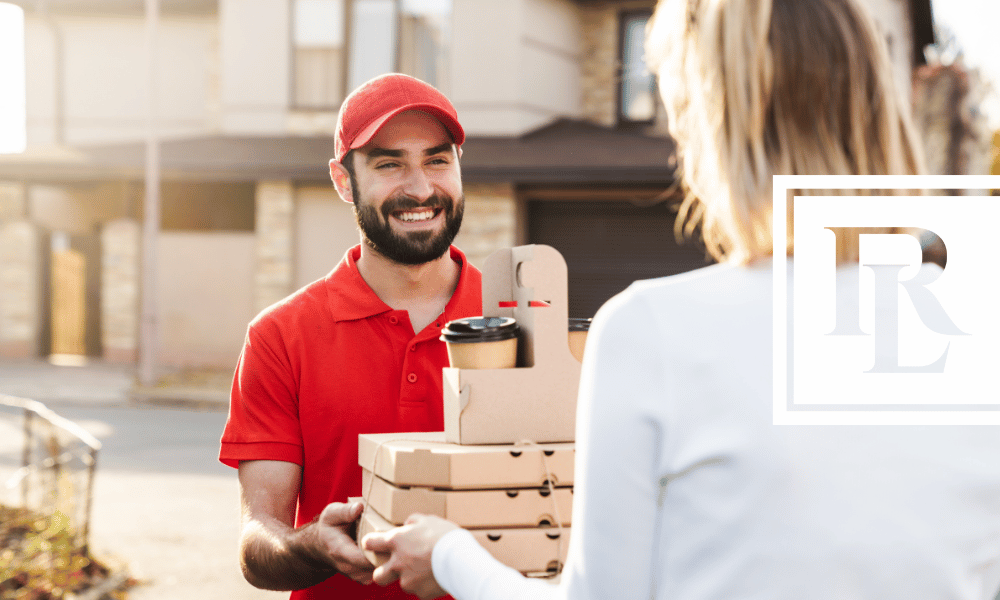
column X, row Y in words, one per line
column 923, row 404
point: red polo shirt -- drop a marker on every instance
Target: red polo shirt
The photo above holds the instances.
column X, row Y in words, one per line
column 330, row 362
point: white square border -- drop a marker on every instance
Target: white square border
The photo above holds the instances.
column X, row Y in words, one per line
column 783, row 414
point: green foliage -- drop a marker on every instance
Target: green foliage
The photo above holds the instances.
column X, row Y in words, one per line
column 39, row 558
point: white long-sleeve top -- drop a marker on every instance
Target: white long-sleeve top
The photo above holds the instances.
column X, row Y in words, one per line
column 686, row 490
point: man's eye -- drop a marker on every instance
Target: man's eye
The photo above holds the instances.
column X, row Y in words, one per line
column 386, row 165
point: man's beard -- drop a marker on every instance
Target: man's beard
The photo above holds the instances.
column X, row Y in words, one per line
column 409, row 248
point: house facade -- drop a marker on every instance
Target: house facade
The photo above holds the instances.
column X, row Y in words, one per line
column 567, row 146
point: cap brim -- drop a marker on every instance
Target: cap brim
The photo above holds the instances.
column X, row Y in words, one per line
column 449, row 122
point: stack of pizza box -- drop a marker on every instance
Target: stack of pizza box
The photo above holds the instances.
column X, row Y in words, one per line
column 503, row 466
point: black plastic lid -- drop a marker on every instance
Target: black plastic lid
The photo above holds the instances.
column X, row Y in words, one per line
column 479, row 329
column 579, row 324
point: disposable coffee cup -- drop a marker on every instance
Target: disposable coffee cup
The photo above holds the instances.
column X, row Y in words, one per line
column 578, row 329
column 482, row 342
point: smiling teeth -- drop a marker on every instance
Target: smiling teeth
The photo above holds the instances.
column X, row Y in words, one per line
column 411, row 217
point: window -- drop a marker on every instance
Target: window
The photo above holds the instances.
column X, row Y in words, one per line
column 404, row 36
column 637, row 86
column 373, row 40
column 423, row 32
column 378, row 36
column 318, row 56
column 207, row 206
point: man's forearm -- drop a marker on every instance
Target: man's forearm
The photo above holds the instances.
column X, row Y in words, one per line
column 275, row 556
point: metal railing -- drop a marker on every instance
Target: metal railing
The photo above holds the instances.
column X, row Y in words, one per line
column 57, row 467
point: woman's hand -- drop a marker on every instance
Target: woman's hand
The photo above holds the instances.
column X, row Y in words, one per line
column 411, row 546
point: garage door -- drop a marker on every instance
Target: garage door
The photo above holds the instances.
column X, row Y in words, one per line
column 608, row 245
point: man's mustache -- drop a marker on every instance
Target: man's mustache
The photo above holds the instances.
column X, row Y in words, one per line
column 408, row 203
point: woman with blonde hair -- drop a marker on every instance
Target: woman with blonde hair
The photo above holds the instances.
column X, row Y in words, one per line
column 685, row 488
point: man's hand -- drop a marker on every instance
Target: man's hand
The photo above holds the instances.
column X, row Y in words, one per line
column 333, row 530
column 277, row 556
column 411, row 546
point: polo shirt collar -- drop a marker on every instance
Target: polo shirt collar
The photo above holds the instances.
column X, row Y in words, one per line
column 350, row 297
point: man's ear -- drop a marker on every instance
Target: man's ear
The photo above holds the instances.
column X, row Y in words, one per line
column 459, row 151
column 342, row 181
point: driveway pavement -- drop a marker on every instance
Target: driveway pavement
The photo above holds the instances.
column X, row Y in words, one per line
column 163, row 504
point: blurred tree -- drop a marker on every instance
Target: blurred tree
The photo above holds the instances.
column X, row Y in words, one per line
column 948, row 101
column 946, row 49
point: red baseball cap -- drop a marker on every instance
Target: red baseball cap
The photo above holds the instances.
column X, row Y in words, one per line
column 367, row 109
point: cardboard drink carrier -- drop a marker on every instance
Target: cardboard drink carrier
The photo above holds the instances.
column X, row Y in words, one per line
column 536, row 400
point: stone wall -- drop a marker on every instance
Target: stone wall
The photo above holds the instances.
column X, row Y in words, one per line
column 600, row 64
column 120, row 275
column 274, row 273
column 20, row 289
column 490, row 221
column 19, row 283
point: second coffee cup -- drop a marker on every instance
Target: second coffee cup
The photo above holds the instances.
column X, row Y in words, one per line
column 578, row 329
column 482, row 342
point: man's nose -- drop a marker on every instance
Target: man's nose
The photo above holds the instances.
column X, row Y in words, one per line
column 418, row 185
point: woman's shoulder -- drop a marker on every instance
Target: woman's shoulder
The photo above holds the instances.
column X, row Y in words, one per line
column 689, row 296
column 712, row 284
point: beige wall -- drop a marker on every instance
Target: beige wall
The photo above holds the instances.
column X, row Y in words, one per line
column 324, row 229
column 254, row 53
column 40, row 81
column 205, row 284
column 512, row 83
column 104, row 77
column 230, row 72
column 552, row 53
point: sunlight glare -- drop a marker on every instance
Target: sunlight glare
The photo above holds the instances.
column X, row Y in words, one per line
column 12, row 72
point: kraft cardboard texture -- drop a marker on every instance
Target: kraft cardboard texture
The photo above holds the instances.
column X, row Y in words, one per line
column 515, row 507
column 368, row 523
column 537, row 400
column 528, row 550
column 426, row 460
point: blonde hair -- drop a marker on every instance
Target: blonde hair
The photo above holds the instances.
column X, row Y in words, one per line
column 756, row 88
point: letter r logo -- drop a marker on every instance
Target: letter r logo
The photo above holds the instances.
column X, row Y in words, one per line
column 885, row 295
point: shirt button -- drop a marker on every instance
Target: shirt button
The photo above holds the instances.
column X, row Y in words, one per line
column 393, row 319
column 413, row 348
column 412, row 377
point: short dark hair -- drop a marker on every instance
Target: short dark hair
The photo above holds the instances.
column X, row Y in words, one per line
column 348, row 163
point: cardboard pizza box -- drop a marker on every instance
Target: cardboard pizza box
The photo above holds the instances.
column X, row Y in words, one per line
column 537, row 400
column 363, row 526
column 512, row 507
column 530, row 550
column 424, row 459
